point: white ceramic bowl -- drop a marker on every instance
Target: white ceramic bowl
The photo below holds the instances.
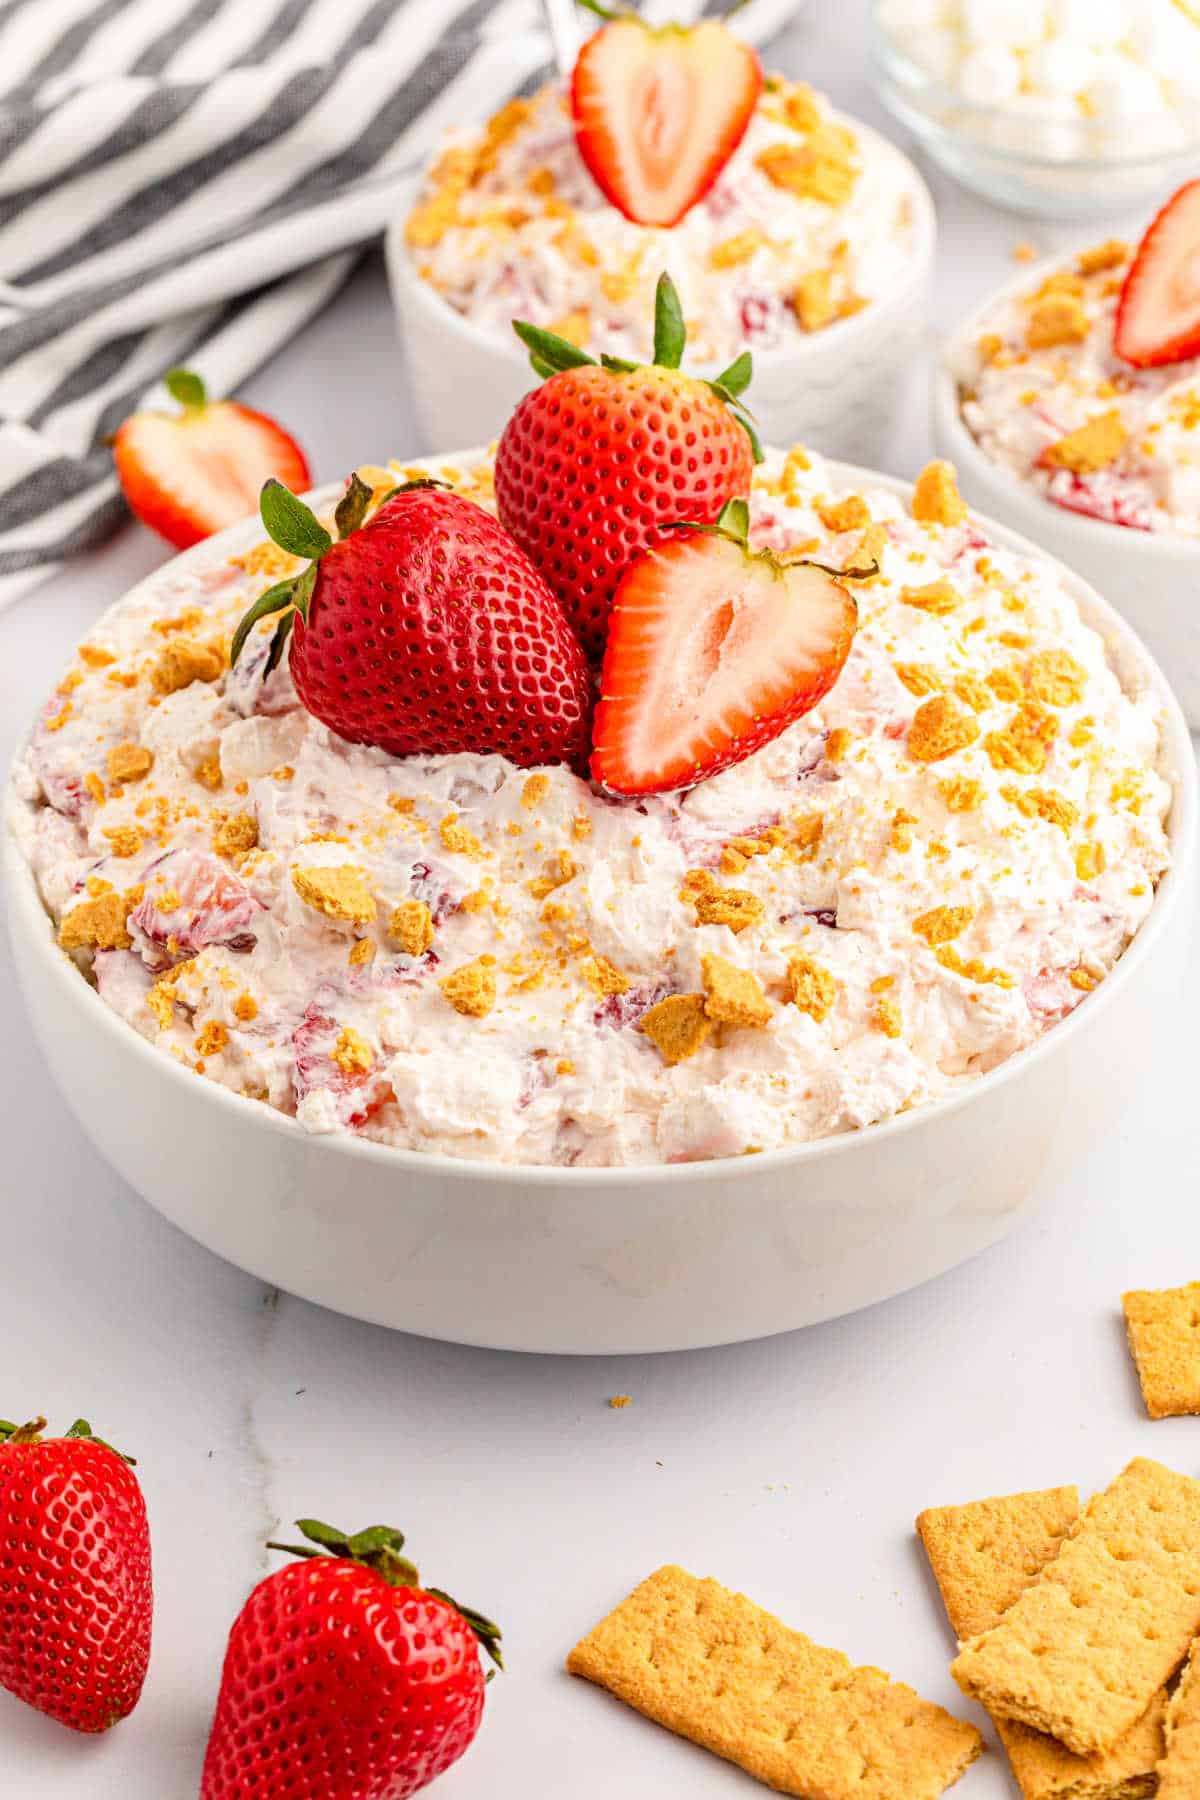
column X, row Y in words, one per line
column 615, row 1260
column 840, row 389
column 1152, row 579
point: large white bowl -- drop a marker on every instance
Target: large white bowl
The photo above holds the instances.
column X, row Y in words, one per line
column 1153, row 579
column 840, row 389
column 613, row 1260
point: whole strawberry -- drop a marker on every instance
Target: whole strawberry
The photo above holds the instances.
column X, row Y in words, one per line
column 75, row 1587
column 344, row 1678
column 425, row 629
column 595, row 463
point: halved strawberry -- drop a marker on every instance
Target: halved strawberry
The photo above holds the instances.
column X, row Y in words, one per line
column 1158, row 314
column 659, row 112
column 713, row 650
column 191, row 473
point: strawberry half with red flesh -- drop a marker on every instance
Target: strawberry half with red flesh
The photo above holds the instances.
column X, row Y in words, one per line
column 425, row 629
column 75, row 1586
column 713, row 650
column 1158, row 313
column 191, row 473
column 596, row 463
column 658, row 112
column 345, row 1677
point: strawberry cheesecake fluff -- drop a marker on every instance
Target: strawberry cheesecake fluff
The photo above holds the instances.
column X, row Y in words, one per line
column 1047, row 395
column 449, row 953
column 807, row 222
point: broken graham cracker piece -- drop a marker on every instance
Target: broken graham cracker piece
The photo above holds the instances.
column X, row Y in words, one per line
column 1083, row 1651
column 677, row 1026
column 733, row 996
column 1163, row 1329
column 713, row 1667
column 1179, row 1770
column 983, row 1556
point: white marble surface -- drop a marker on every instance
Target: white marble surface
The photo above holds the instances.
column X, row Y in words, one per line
column 790, row 1468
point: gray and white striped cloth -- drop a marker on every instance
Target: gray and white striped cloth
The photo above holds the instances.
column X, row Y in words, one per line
column 166, row 168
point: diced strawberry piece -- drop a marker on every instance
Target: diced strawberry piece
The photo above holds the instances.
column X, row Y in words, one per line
column 659, row 113
column 191, row 473
column 712, row 652
column 208, row 905
column 621, row 1010
column 1158, row 314
column 356, row 1093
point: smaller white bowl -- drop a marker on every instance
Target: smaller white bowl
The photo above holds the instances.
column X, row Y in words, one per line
column 839, row 390
column 1152, row 579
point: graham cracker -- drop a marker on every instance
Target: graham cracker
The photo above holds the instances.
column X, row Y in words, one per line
column 1163, row 1329
column 1083, row 1651
column 1179, row 1770
column 983, row 1557
column 712, row 1666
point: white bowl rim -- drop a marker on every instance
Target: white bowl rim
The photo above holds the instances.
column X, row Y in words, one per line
column 1180, row 770
column 1161, row 544
column 405, row 280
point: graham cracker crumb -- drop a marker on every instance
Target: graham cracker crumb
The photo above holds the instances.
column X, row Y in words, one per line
column 183, row 661
column 733, row 996
column 604, row 976
column 411, row 924
column 1043, row 803
column 943, row 923
column 888, row 1018
column 245, row 1008
column 1056, row 679
column 402, row 804
column 735, row 907
column 1024, row 744
column 676, row 1026
column 937, row 597
column 340, row 892
column 129, row 762
column 471, row 989
column 941, row 727
column 1093, row 446
column 1057, row 319
column 94, row 657
column 1163, row 1328
column 810, row 986
column 900, row 837
column 126, row 840
column 97, row 923
column 1090, row 861
column 936, row 499
column 1114, row 1614
column 961, row 794
column 352, row 1054
column 236, row 835
column 619, row 1402
column 1109, row 255
column 536, row 787
column 211, row 1038
column 208, row 773
column 849, row 514
column 812, row 300
column 837, row 744
column 713, row 1667
column 456, row 837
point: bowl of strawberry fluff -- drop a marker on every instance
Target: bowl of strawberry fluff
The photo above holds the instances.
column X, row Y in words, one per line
column 1071, row 404
column 789, row 230
column 582, row 899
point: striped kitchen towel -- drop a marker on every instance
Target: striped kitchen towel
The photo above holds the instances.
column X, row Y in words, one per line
column 189, row 181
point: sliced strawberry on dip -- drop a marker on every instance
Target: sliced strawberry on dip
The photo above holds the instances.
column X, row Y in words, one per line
column 659, row 111
column 1158, row 314
column 713, row 650
column 190, row 473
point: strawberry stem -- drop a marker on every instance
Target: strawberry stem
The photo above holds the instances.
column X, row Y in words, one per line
column 601, row 12
column 31, row 1433
column 380, row 1548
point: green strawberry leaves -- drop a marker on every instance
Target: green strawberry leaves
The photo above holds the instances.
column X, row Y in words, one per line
column 185, row 386
column 550, row 354
column 32, row 1433
column 379, row 1548
column 291, row 524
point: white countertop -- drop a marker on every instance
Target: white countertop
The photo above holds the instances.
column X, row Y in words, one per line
column 791, row 1468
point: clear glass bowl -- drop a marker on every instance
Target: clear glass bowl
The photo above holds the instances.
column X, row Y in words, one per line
column 1027, row 155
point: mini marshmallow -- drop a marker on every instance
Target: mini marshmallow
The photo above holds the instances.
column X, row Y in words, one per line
column 1017, row 24
column 935, row 52
column 1062, row 65
column 1124, row 90
column 903, row 18
column 989, row 75
column 1098, row 22
column 1165, row 39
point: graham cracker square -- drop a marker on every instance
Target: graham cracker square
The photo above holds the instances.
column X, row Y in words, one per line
column 1163, row 1328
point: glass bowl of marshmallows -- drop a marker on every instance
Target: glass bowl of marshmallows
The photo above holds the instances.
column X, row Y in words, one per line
column 1063, row 108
